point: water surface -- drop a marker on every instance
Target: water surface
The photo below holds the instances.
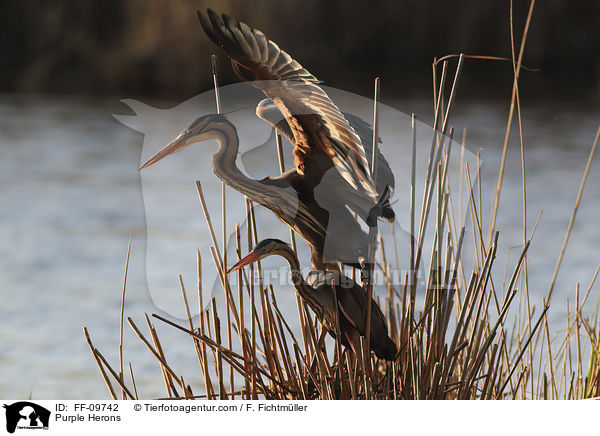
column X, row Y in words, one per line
column 71, row 196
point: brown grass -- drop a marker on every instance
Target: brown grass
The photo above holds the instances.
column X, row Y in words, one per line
column 468, row 337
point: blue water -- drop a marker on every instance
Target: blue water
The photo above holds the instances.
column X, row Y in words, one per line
column 71, row 196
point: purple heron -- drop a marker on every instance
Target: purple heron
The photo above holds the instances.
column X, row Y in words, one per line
column 318, row 293
column 331, row 171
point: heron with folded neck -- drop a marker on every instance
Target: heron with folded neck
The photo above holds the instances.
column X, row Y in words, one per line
column 317, row 291
column 330, row 181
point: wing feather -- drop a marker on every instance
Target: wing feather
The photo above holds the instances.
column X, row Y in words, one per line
column 269, row 112
column 298, row 96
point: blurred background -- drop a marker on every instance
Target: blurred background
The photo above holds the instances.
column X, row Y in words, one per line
column 71, row 194
column 143, row 47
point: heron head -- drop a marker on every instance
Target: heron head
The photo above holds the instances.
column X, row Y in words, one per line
column 266, row 247
column 201, row 129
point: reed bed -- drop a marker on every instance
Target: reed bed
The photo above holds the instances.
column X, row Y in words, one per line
column 461, row 334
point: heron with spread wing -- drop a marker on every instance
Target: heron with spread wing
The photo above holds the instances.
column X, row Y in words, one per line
column 331, row 168
column 318, row 293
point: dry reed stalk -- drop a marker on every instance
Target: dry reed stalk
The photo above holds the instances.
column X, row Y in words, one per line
column 281, row 160
column 413, row 164
column 114, row 374
column 123, row 312
column 574, row 214
column 133, row 381
column 98, row 362
column 456, row 340
column 204, row 364
column 215, row 75
column 515, row 90
column 372, row 232
column 188, row 314
column 168, row 380
column 156, row 354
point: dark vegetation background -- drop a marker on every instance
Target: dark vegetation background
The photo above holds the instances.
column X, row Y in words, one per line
column 157, row 48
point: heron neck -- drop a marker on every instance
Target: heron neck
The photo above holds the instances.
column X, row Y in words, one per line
column 225, row 168
column 288, row 254
column 305, row 291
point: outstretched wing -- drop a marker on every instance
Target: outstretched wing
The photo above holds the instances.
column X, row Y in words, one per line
column 316, row 123
column 385, row 175
column 268, row 111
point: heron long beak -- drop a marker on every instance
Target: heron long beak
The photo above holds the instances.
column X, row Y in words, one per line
column 253, row 256
column 174, row 146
